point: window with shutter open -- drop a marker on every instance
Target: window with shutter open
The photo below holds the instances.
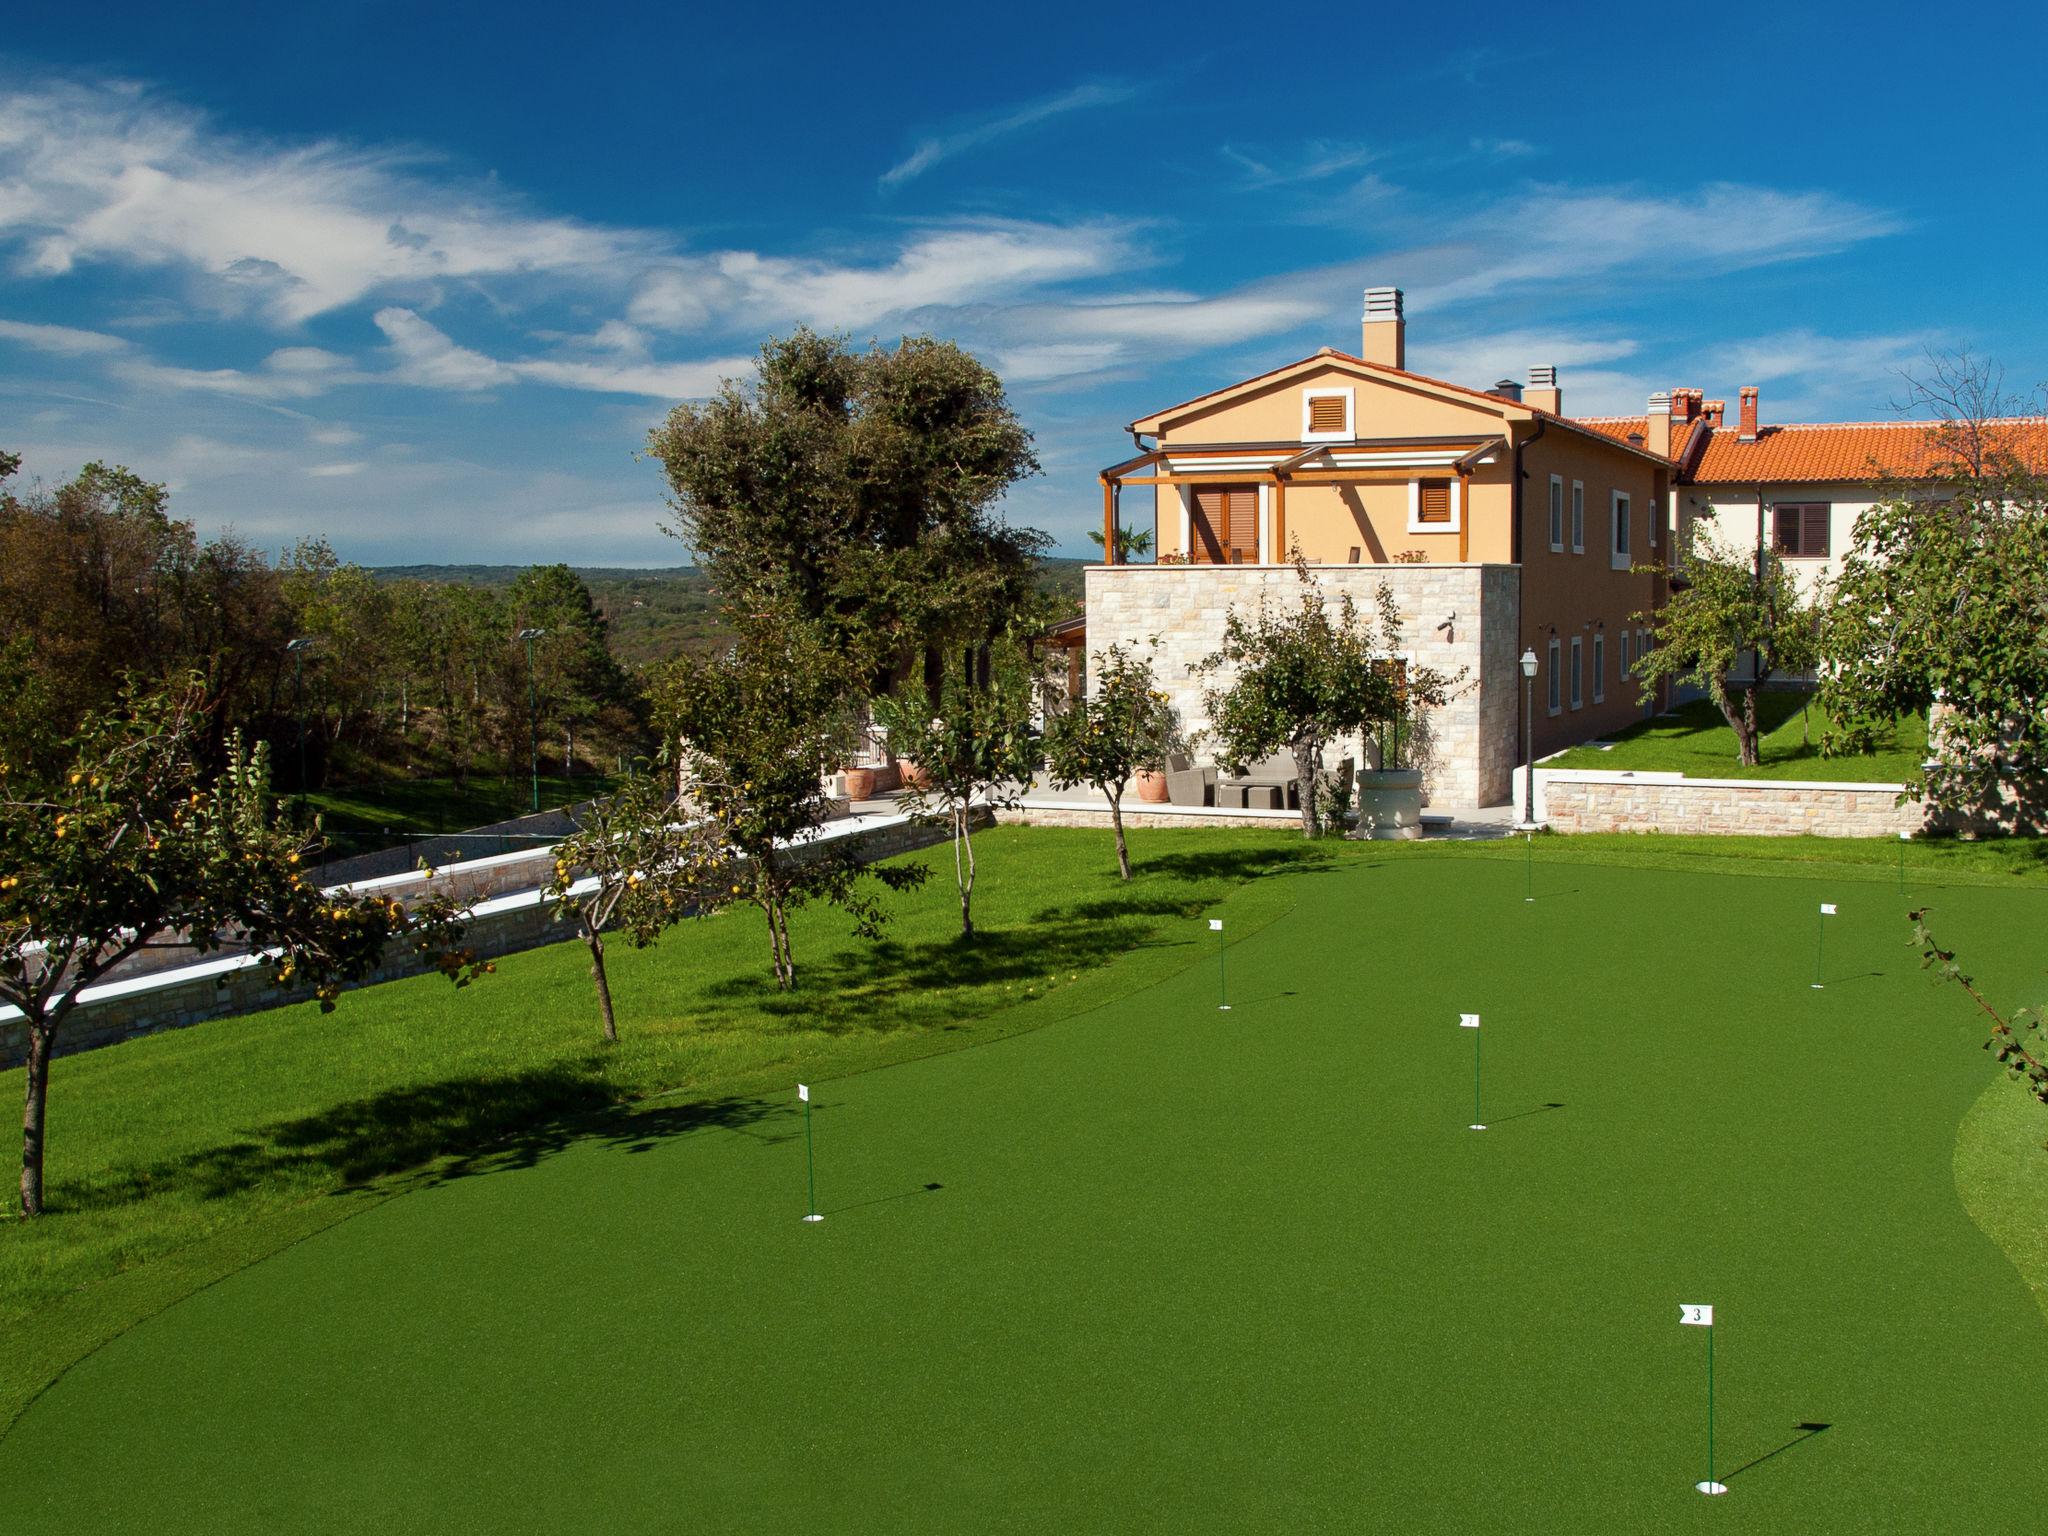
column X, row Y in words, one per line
column 1435, row 504
column 1326, row 414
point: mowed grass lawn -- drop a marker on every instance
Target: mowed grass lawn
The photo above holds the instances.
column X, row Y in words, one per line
column 1695, row 740
column 1133, row 1262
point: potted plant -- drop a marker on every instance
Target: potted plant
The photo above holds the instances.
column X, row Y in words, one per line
column 860, row 783
column 1150, row 782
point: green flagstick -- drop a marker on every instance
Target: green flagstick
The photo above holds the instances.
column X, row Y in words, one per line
column 803, row 1092
column 1703, row 1317
column 1528, row 866
column 1222, row 983
column 1471, row 1021
column 1827, row 910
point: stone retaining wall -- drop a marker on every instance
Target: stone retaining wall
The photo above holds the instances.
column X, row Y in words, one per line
column 1571, row 800
column 508, row 915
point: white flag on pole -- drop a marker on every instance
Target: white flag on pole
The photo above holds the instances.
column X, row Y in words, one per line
column 1695, row 1316
column 1468, row 1021
column 1215, row 925
column 803, row 1093
column 1827, row 909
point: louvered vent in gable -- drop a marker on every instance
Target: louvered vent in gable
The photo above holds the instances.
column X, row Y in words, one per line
column 1326, row 415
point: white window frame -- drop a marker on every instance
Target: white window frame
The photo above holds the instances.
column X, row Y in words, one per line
column 1578, row 672
column 1347, row 395
column 1457, row 522
column 1578, row 517
column 1627, row 657
column 1620, row 537
column 1265, row 543
column 1557, row 514
column 1553, row 695
column 1599, row 667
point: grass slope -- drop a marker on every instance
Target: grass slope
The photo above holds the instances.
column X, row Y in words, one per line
column 369, row 815
column 1157, row 1266
column 1694, row 740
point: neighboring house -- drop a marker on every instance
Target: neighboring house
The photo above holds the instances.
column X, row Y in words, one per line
column 1801, row 485
column 1500, row 524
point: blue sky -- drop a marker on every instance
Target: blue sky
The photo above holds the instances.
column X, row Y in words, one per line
column 420, row 277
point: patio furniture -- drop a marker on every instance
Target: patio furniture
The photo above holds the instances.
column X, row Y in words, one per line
column 1269, row 784
column 1187, row 783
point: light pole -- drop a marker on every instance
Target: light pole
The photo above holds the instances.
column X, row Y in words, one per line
column 297, row 649
column 1529, row 736
column 532, row 712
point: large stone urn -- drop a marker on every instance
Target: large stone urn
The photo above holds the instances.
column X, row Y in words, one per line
column 1389, row 803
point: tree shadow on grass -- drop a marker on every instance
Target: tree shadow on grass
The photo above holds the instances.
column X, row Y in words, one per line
column 460, row 1126
column 1236, row 864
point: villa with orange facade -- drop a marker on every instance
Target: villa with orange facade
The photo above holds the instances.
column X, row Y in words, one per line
column 1501, row 524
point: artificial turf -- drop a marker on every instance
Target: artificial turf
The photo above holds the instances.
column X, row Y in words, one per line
column 1160, row 1266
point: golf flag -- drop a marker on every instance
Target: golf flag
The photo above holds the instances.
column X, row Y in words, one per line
column 1468, row 1021
column 1215, row 925
column 1695, row 1316
column 1827, row 909
column 803, row 1092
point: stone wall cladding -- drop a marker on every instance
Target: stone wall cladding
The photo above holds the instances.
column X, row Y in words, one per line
column 1184, row 607
column 1591, row 802
column 1141, row 821
column 182, row 999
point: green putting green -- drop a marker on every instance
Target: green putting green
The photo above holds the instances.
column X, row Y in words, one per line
column 1164, row 1267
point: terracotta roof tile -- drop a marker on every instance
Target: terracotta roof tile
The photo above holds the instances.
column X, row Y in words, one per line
column 1827, row 451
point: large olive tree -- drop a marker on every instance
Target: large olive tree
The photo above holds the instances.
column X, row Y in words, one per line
column 859, row 490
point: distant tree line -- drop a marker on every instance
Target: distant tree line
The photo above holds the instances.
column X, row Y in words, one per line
column 101, row 585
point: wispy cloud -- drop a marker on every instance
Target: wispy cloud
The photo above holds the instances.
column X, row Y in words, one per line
column 108, row 172
column 945, row 146
column 1318, row 160
column 942, row 267
column 61, row 340
column 1502, row 149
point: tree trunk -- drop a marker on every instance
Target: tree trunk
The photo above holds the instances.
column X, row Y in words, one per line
column 35, row 1101
column 963, row 843
column 1745, row 730
column 1116, row 817
column 1308, row 757
column 603, row 984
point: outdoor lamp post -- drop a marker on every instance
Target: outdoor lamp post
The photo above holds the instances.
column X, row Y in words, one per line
column 532, row 713
column 1529, row 736
column 296, row 649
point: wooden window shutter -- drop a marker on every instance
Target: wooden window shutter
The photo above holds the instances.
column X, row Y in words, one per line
column 1786, row 536
column 1436, row 502
column 1244, row 525
column 1813, row 531
column 1326, row 413
column 1206, row 527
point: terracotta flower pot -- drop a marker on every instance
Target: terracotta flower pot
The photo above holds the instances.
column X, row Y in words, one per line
column 914, row 776
column 860, row 783
column 1151, row 787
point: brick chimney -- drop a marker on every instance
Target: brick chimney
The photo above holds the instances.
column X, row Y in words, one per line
column 1385, row 339
column 1748, row 433
column 1657, row 424
column 1714, row 410
column 1685, row 405
column 1543, row 391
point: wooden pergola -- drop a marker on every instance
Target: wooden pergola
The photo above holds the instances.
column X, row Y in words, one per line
column 1313, row 465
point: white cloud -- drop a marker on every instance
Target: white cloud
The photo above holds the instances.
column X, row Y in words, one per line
column 290, row 373
column 426, row 356
column 61, row 340
column 335, row 437
column 660, row 381
column 944, row 267
column 329, row 471
column 1559, row 234
column 931, row 151
column 109, row 172
column 1318, row 160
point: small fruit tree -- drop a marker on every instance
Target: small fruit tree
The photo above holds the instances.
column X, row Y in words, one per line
column 128, row 845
